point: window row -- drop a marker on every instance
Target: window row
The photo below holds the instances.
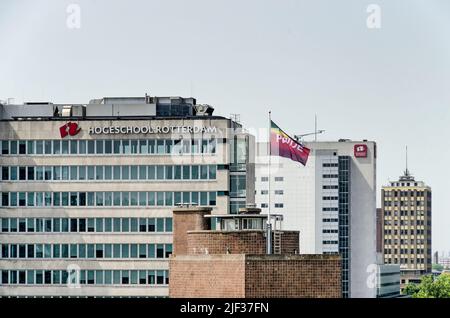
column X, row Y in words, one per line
column 98, row 251
column 82, row 225
column 84, row 277
column 108, row 147
column 106, row 199
column 100, row 173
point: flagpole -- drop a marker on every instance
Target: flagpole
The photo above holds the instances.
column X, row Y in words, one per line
column 269, row 224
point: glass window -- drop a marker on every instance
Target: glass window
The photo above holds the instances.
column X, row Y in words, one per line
column 143, row 148
column 204, row 172
column 134, row 224
column 169, row 198
column 13, row 147
column 186, row 172
column 177, row 173
column 203, row 198
column 116, row 146
column 56, row 173
column 125, row 225
column 195, row 172
column 73, row 172
column 13, row 173
column 108, row 172
column 186, row 146
column 65, row 147
column 116, row 224
column 5, row 173
column 82, row 146
column 22, row 147
column 212, row 172
column 39, row 147
column 30, row 147
column 125, row 172
column 151, row 225
column 142, row 172
column 134, row 172
column 160, row 225
column 98, row 172
column 133, row 198
column 151, row 146
column 159, row 251
column 212, row 198
column 91, row 146
column 108, row 199
column 116, row 172
column 151, row 198
column 99, row 250
column 30, row 173
column 134, row 146
column 151, row 172
column 160, row 172
column 125, row 250
column 99, row 144
column 48, row 147
column 74, row 147
column 108, row 146
column 169, row 146
column 125, row 198
column 108, row 250
column 91, row 172
column 108, row 224
column 116, row 197
column 142, row 198
column 186, row 197
column 134, row 251
column 116, row 250
column 82, row 248
column 168, row 224
column 82, row 172
column 160, row 146
column 99, row 224
column 142, row 225
column 99, row 198
column 126, row 147
column 64, row 173
column 169, row 172
column 177, row 198
column 5, row 147
column 160, row 198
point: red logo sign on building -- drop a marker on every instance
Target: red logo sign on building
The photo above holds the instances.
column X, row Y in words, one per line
column 69, row 129
column 360, row 151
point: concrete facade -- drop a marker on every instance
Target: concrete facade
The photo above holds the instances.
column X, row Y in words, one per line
column 331, row 201
column 50, row 275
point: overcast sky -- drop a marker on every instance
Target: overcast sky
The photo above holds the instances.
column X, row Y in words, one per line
column 297, row 58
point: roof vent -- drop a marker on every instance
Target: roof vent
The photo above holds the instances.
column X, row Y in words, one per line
column 203, row 110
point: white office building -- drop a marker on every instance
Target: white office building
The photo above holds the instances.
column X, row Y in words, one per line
column 331, row 201
column 87, row 191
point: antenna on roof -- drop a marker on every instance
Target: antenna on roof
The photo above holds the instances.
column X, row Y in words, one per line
column 406, row 171
column 236, row 118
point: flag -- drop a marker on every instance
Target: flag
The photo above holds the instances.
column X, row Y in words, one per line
column 284, row 146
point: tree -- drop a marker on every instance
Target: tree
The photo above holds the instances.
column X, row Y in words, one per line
column 430, row 287
column 438, row 267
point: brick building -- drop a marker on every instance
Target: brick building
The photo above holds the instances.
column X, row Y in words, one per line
column 225, row 256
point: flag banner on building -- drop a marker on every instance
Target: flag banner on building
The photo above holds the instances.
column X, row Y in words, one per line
column 284, row 146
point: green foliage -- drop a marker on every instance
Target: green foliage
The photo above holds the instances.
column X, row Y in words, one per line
column 430, row 287
column 438, row 267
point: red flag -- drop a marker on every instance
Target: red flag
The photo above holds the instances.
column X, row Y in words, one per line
column 284, row 146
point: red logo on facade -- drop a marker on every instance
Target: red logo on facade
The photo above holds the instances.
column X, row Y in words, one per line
column 69, row 129
column 360, row 151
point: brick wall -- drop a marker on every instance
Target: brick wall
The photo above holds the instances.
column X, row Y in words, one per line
column 297, row 276
column 255, row 276
column 238, row 242
column 184, row 220
column 226, row 242
column 207, row 276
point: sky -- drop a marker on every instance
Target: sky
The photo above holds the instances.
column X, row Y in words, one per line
column 296, row 58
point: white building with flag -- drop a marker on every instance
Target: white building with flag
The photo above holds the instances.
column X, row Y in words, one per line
column 331, row 201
